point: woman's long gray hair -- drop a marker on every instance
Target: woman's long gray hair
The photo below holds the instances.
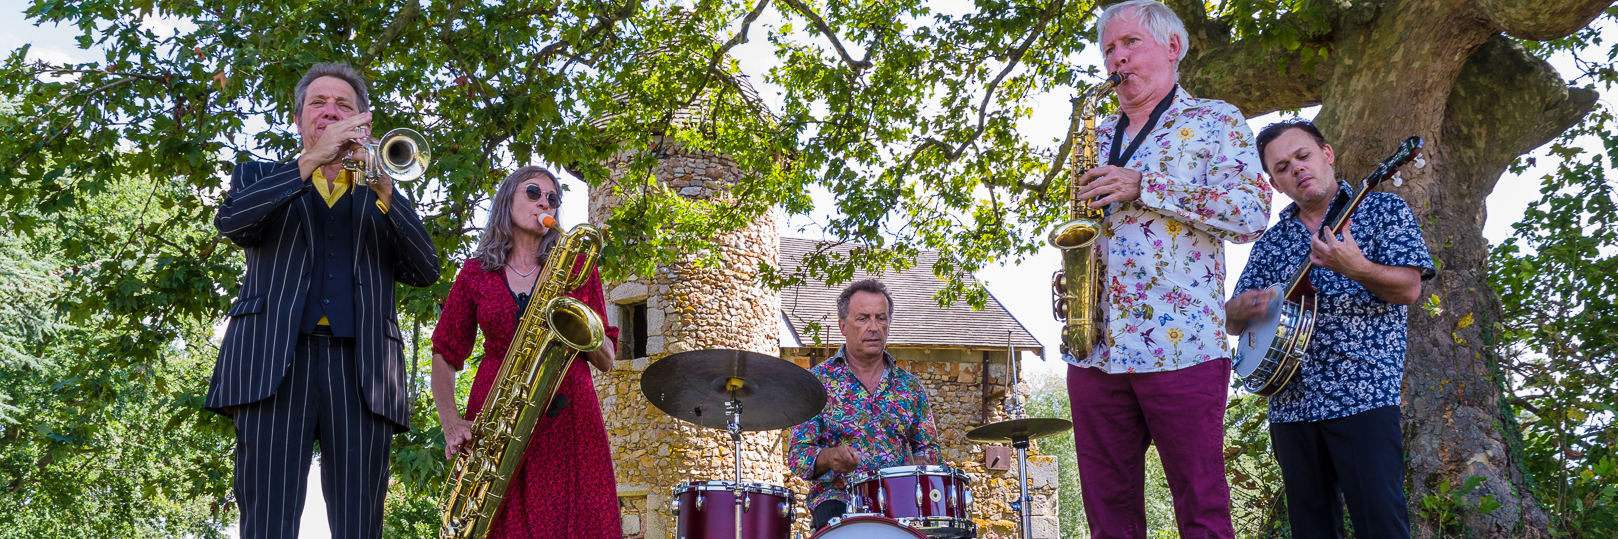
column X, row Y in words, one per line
column 498, row 239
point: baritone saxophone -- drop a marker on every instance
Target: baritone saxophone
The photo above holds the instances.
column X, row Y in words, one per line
column 1075, row 288
column 553, row 330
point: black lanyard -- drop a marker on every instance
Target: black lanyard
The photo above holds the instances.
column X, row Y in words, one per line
column 1123, row 124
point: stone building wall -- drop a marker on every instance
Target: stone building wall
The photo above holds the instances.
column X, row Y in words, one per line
column 688, row 307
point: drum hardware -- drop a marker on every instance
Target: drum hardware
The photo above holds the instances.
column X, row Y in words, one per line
column 928, row 511
column 698, row 519
column 683, row 385
column 866, row 526
column 1018, row 432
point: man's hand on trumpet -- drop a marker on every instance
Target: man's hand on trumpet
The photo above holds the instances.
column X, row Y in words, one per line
column 332, row 142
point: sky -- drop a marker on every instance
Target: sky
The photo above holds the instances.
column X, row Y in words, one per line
column 1022, row 288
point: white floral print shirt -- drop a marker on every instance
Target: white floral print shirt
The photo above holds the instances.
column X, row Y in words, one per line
column 1201, row 186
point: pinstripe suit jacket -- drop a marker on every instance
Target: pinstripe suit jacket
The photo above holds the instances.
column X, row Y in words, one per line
column 267, row 212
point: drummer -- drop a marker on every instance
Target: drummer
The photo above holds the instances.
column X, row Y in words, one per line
column 876, row 414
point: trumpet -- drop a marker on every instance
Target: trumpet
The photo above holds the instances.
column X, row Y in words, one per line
column 404, row 157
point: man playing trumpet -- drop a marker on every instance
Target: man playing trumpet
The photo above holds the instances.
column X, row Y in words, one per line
column 312, row 348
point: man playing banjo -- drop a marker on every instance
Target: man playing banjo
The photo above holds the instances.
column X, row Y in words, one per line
column 1335, row 427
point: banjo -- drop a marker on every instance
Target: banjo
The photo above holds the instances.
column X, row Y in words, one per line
column 1274, row 346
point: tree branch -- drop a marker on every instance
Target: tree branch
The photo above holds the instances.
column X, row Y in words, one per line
column 1013, row 59
column 1245, row 72
column 825, row 30
column 1507, row 102
column 1542, row 20
column 718, row 56
column 403, row 18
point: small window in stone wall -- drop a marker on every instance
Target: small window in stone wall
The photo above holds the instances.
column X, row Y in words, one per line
column 632, row 331
column 632, row 511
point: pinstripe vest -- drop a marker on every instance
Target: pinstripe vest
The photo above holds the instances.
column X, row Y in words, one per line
column 331, row 286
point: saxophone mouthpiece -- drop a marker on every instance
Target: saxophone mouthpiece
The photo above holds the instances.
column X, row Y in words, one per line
column 1116, row 79
column 547, row 220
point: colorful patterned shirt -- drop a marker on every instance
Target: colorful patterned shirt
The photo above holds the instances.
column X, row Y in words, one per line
column 884, row 428
column 1164, row 252
column 1356, row 358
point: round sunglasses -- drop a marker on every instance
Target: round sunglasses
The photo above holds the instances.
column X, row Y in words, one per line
column 551, row 197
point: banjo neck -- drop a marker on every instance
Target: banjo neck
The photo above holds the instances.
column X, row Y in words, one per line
column 1336, row 219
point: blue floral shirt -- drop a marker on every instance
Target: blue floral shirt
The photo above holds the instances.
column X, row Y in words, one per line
column 1356, row 358
column 885, row 428
column 1164, row 293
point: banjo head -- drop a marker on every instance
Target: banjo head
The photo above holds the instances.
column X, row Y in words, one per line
column 1260, row 336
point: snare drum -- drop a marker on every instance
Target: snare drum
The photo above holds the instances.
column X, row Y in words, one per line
column 707, row 510
column 936, row 500
column 866, row 526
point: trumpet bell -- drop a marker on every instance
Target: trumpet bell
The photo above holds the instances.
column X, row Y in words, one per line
column 1074, row 234
column 404, row 154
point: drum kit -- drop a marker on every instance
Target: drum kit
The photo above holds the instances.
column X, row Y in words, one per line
column 712, row 388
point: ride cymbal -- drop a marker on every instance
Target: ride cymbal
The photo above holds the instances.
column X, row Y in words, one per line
column 1009, row 431
column 694, row 386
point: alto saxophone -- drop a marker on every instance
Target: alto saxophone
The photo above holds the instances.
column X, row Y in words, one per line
column 554, row 328
column 1075, row 287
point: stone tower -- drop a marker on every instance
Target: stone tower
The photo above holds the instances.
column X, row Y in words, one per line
column 684, row 307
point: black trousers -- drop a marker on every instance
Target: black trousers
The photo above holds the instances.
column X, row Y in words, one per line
column 826, row 511
column 319, row 399
column 1357, row 459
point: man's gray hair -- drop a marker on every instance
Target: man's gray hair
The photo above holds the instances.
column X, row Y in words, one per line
column 868, row 285
column 1159, row 20
column 362, row 98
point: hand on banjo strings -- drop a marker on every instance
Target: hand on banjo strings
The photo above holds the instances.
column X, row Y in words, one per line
column 1250, row 304
column 1340, row 255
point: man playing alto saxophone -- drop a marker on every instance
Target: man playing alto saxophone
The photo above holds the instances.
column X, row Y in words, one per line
column 312, row 349
column 1181, row 178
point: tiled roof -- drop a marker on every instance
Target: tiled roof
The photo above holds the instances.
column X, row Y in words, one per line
column 918, row 321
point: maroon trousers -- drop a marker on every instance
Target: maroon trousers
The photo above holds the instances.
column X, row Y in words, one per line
column 1117, row 416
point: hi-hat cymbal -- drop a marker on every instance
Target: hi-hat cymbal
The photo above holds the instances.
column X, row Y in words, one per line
column 694, row 386
column 1009, row 431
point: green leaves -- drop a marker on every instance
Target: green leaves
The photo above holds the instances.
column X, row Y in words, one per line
column 1557, row 284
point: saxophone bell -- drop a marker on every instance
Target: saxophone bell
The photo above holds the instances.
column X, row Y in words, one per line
column 1074, row 234
column 1076, row 287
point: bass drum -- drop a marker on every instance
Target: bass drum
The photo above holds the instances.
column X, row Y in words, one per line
column 707, row 510
column 866, row 526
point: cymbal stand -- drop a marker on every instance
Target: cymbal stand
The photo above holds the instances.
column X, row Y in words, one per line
column 733, row 424
column 1024, row 504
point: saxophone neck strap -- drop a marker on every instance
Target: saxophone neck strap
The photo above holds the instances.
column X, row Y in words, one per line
column 1113, row 156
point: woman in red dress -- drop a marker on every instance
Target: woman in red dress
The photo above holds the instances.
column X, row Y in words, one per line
column 565, row 486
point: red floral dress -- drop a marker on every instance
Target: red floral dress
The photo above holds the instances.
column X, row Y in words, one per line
column 565, row 487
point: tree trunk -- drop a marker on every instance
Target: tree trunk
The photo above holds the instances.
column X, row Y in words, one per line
column 1443, row 71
